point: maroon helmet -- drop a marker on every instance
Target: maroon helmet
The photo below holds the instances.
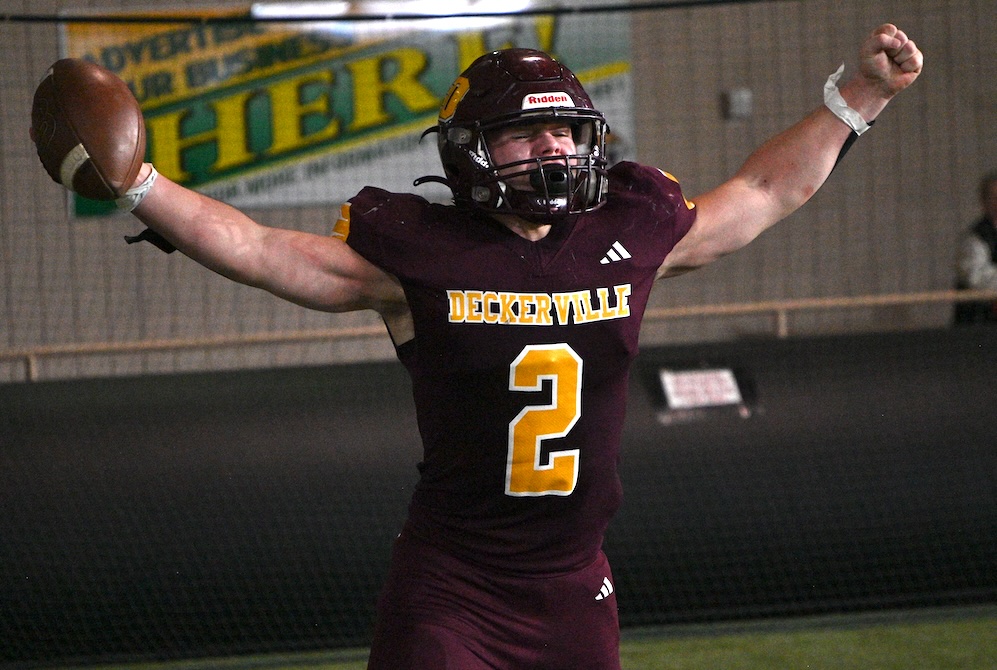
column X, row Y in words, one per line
column 517, row 86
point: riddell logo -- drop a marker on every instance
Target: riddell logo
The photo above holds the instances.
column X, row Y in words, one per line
column 555, row 99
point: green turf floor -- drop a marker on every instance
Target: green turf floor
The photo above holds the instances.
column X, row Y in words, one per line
column 961, row 643
column 963, row 639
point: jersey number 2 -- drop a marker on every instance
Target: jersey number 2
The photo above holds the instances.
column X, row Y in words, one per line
column 529, row 472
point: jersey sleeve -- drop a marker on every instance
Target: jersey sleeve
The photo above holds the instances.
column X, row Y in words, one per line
column 655, row 196
column 383, row 227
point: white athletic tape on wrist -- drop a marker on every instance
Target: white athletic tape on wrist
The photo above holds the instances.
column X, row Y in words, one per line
column 134, row 196
column 840, row 108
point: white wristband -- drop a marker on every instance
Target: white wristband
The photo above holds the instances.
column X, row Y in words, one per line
column 134, row 196
column 840, row 108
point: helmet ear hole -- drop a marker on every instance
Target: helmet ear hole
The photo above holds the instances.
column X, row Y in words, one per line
column 459, row 135
column 481, row 194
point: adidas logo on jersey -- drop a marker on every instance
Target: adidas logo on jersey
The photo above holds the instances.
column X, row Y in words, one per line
column 606, row 590
column 616, row 253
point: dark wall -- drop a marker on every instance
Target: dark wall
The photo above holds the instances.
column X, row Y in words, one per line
column 196, row 515
column 214, row 514
column 864, row 476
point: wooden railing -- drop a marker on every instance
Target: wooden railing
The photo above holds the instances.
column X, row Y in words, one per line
column 779, row 309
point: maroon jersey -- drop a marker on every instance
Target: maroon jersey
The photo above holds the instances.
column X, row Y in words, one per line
column 520, row 362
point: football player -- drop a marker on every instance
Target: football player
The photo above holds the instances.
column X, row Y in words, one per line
column 516, row 311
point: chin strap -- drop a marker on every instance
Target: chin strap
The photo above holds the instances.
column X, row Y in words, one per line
column 431, row 179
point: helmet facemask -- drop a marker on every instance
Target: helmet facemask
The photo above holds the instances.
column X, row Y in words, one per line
column 543, row 188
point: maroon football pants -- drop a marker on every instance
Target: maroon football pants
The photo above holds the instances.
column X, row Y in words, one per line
column 440, row 613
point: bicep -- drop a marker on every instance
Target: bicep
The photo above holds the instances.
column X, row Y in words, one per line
column 323, row 273
column 774, row 181
column 727, row 219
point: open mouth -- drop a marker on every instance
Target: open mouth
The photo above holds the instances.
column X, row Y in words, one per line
column 552, row 181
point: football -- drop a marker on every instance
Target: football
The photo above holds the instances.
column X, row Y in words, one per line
column 88, row 129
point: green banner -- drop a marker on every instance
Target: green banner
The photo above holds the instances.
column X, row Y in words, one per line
column 265, row 114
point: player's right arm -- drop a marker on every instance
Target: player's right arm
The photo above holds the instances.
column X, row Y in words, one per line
column 315, row 271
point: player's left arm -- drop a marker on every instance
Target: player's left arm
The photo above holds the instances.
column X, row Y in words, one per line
column 786, row 171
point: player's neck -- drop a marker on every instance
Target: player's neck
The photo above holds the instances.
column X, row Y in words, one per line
column 528, row 230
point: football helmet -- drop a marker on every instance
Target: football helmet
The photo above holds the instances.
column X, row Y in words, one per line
column 511, row 87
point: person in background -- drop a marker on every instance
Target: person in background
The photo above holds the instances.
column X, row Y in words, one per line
column 977, row 262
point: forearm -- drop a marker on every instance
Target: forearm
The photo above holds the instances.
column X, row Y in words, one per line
column 786, row 171
column 775, row 180
column 319, row 272
column 212, row 233
column 795, row 163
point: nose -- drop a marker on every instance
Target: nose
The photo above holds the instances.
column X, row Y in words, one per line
column 547, row 144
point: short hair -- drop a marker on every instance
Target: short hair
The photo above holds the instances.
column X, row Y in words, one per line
column 988, row 180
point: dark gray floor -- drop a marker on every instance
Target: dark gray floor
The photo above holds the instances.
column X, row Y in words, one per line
column 252, row 512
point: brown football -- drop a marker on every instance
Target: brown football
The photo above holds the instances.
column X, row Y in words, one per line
column 88, row 129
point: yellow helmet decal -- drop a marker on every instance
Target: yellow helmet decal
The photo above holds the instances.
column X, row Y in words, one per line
column 453, row 97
